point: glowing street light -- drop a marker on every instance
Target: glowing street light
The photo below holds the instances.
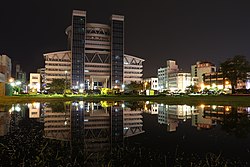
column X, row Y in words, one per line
column 18, row 83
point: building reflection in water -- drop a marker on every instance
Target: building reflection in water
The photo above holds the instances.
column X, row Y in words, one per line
column 202, row 117
column 171, row 115
column 95, row 126
column 34, row 110
column 151, row 107
column 57, row 122
column 198, row 119
column 4, row 120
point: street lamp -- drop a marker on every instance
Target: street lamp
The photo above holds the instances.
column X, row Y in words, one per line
column 81, row 88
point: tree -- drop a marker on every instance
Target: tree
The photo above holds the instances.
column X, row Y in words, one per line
column 235, row 69
column 236, row 123
column 134, row 87
column 192, row 89
column 58, row 86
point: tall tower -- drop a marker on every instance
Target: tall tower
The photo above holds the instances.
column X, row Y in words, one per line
column 78, row 47
column 117, row 50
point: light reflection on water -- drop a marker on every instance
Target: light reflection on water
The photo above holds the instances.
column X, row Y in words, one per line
column 202, row 116
column 103, row 125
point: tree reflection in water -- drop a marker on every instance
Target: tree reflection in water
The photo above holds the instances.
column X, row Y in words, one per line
column 237, row 122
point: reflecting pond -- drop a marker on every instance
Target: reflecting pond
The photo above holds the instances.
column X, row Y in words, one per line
column 144, row 133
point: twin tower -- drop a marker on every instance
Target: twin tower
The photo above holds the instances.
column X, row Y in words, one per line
column 103, row 47
column 95, row 58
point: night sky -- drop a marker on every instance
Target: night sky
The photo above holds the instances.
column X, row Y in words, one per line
column 155, row 30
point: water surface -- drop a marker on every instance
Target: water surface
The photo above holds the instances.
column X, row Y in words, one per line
column 78, row 133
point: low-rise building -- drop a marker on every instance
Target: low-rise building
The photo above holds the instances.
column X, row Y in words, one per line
column 35, row 82
column 153, row 82
column 215, row 80
column 178, row 82
column 163, row 74
column 200, row 68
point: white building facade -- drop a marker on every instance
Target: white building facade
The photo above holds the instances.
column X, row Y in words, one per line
column 163, row 74
column 57, row 65
column 153, row 81
column 35, row 82
column 178, row 82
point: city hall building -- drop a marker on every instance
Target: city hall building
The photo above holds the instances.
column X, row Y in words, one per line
column 96, row 56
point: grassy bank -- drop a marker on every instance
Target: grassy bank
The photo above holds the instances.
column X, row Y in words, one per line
column 236, row 100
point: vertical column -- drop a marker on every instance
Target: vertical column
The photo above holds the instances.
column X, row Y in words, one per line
column 117, row 124
column 78, row 47
column 106, row 83
column 117, row 50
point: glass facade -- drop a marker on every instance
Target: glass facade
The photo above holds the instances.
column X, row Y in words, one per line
column 117, row 53
column 78, row 49
column 77, row 120
column 117, row 123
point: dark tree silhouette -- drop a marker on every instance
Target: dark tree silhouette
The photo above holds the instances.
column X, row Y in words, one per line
column 237, row 123
column 235, row 69
column 134, row 87
column 58, row 86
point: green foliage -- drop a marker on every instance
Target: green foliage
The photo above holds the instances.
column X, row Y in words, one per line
column 192, row 89
column 58, row 86
column 57, row 106
column 134, row 87
column 235, row 69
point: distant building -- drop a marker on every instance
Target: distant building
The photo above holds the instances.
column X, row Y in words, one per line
column 163, row 74
column 2, row 77
column 41, row 71
column 20, row 75
column 162, row 78
column 96, row 56
column 35, row 80
column 153, row 82
column 5, row 66
column 179, row 81
column 200, row 68
column 216, row 80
